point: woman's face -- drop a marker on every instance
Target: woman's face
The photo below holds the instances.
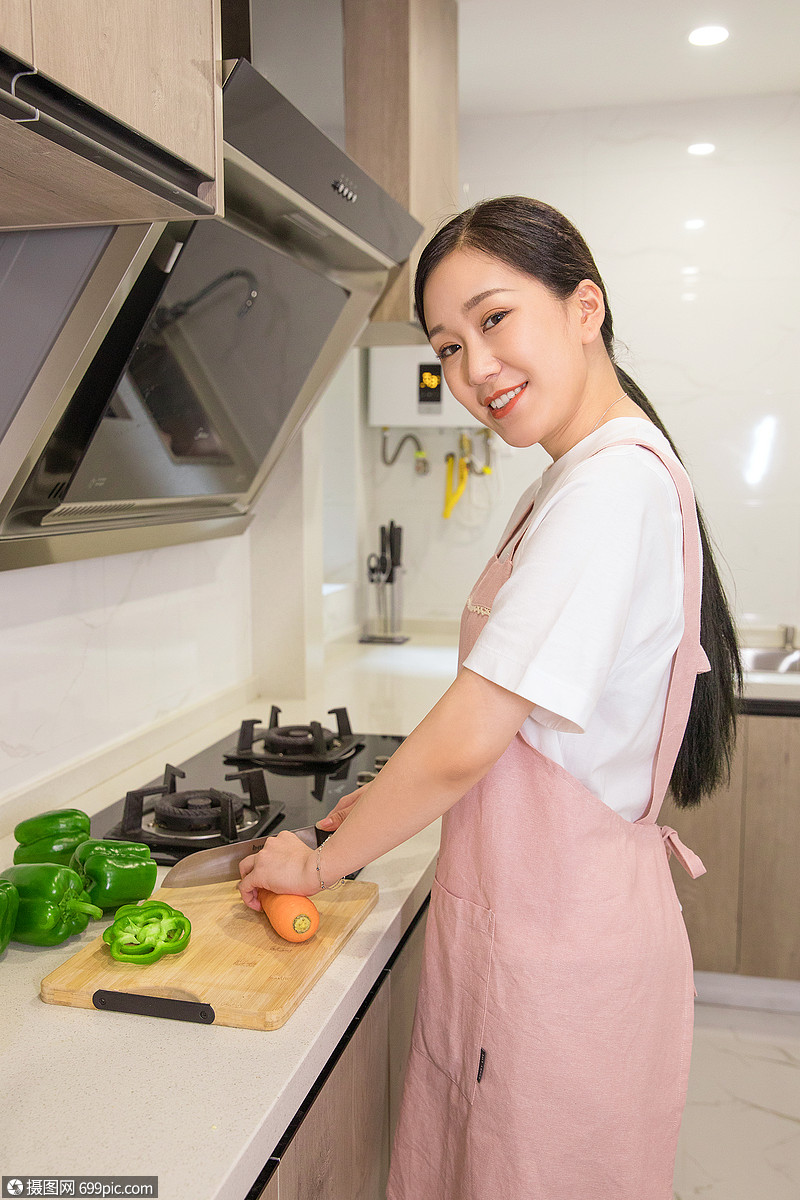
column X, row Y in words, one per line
column 514, row 355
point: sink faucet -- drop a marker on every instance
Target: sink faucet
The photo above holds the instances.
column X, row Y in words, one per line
column 788, row 633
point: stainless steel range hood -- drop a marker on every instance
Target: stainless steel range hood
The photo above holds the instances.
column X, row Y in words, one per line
column 153, row 374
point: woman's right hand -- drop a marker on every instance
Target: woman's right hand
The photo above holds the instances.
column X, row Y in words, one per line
column 342, row 810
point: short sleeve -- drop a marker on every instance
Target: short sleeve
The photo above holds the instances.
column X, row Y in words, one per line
column 597, row 576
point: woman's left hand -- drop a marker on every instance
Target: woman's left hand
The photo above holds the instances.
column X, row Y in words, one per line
column 284, row 865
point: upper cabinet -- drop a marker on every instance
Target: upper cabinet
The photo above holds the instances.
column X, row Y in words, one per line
column 401, row 125
column 16, row 29
column 120, row 120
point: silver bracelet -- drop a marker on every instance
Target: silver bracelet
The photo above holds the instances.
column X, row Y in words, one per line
column 324, row 887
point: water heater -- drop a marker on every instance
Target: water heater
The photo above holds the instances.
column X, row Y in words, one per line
column 407, row 388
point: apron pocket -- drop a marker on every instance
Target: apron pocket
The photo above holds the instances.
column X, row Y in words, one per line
column 454, row 984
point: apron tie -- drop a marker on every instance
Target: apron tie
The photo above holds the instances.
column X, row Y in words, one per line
column 690, row 862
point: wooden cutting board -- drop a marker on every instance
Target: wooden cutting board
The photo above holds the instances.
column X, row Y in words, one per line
column 235, row 970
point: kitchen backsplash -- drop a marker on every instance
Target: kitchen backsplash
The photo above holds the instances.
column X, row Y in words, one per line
column 96, row 650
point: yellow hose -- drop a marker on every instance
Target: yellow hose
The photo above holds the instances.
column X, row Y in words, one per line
column 452, row 494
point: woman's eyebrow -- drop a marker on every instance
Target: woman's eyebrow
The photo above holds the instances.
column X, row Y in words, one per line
column 482, row 296
column 468, row 304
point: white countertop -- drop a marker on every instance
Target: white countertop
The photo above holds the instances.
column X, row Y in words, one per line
column 203, row 1107
column 768, row 685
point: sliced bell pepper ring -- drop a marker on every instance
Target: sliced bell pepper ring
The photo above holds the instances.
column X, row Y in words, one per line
column 144, row 933
column 52, row 903
column 9, row 907
column 114, row 873
column 51, row 837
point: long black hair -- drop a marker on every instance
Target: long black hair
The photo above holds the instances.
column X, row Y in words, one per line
column 532, row 237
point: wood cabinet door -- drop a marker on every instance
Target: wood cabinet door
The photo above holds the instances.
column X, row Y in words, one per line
column 405, row 52
column 340, row 1151
column 770, row 940
column 404, row 984
column 16, row 34
column 714, row 831
column 152, row 64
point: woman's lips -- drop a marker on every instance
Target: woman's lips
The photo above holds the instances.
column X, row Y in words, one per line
column 500, row 413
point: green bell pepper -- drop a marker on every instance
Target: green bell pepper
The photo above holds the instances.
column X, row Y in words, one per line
column 114, row 873
column 52, row 903
column 9, row 907
column 51, row 837
column 143, row 933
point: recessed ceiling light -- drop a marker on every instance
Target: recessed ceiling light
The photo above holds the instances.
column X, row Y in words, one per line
column 690, row 271
column 702, row 148
column 694, row 223
column 708, row 35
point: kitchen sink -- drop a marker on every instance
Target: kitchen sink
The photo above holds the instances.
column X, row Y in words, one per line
column 756, row 658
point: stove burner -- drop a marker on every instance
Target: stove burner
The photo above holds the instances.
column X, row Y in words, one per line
column 297, row 739
column 295, row 746
column 197, row 819
column 195, row 810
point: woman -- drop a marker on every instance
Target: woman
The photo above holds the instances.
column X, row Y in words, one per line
column 552, row 1036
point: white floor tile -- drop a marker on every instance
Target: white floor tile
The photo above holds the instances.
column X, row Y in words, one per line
column 740, row 1138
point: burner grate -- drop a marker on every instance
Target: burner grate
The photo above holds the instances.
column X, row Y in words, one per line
column 295, row 745
column 196, row 810
column 297, row 739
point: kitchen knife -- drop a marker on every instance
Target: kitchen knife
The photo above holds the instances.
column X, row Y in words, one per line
column 221, row 863
column 390, row 552
column 396, row 545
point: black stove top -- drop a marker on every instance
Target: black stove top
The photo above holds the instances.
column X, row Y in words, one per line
column 222, row 795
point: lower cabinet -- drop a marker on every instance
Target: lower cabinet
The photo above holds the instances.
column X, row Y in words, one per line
column 340, row 1152
column 743, row 916
column 770, row 922
column 341, row 1147
column 711, row 903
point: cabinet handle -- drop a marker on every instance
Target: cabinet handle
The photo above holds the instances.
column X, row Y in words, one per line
column 56, row 114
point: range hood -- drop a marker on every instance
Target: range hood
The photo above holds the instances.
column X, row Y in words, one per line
column 153, row 374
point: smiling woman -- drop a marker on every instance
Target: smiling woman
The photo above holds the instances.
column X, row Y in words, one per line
column 553, row 337
column 552, row 896
column 552, row 1034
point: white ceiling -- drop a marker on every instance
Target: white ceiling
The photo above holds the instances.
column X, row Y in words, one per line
column 521, row 56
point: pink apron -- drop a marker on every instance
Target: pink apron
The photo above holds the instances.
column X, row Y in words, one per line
column 552, row 1037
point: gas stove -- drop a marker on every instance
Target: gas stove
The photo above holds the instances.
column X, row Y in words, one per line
column 253, row 782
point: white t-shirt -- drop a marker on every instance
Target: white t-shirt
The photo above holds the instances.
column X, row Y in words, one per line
column 587, row 624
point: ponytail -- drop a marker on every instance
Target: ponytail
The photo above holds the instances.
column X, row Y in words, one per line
column 704, row 759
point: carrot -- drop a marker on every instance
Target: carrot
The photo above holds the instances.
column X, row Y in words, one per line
column 294, row 918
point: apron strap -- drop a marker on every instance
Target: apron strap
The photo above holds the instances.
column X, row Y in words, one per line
column 518, row 533
column 686, row 857
column 689, row 659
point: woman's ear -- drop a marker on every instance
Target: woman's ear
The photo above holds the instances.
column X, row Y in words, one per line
column 592, row 310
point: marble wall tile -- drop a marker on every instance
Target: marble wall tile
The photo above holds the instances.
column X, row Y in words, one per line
column 92, row 651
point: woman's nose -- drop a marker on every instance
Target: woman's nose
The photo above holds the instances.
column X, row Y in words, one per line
column 481, row 365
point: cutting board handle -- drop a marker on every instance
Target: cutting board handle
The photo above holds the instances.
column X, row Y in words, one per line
column 153, row 1006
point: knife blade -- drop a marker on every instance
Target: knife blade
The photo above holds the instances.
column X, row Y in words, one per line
column 221, row 863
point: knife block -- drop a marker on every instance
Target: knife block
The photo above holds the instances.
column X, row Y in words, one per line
column 385, row 599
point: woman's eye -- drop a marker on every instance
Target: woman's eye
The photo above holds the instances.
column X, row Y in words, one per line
column 447, row 351
column 494, row 319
